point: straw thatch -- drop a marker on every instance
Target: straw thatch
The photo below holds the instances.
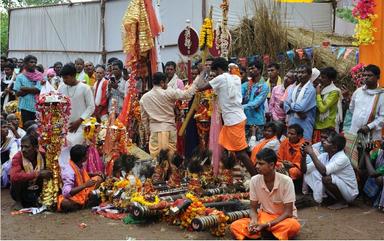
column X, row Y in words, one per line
column 266, row 34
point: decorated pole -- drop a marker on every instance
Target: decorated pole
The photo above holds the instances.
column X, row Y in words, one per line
column 224, row 33
column 53, row 110
column 370, row 33
column 188, row 44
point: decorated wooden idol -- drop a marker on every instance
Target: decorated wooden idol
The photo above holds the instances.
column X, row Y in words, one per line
column 208, row 178
column 176, row 172
column 162, row 167
column 116, row 140
column 127, row 183
column 195, row 170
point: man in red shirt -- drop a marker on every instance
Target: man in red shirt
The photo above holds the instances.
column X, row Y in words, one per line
column 27, row 173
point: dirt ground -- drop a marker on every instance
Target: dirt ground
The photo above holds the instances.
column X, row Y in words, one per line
column 357, row 222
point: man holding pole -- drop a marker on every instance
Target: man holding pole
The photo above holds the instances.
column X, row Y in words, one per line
column 228, row 89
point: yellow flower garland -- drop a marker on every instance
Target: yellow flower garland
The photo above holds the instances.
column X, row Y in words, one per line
column 137, row 197
column 88, row 135
column 364, row 31
column 206, row 34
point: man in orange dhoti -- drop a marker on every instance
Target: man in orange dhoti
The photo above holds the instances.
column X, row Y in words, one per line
column 289, row 154
column 228, row 90
column 77, row 184
column 269, row 141
column 272, row 196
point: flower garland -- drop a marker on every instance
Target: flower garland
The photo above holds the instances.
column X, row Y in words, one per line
column 206, row 34
column 223, row 30
column 196, row 209
column 357, row 74
column 137, row 197
column 89, row 133
column 222, row 225
column 53, row 111
column 365, row 16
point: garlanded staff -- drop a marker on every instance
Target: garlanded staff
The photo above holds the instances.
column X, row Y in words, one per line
column 53, row 110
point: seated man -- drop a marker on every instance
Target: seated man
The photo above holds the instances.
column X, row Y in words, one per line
column 27, row 173
column 14, row 129
column 318, row 147
column 269, row 141
column 374, row 164
column 289, row 154
column 9, row 147
column 331, row 173
column 77, row 184
column 272, row 198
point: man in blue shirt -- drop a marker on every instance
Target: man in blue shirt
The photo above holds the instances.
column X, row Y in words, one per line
column 300, row 105
column 27, row 87
column 255, row 93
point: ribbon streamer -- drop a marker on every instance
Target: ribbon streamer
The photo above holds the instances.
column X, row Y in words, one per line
column 291, row 55
column 341, row 52
column 347, row 52
column 309, row 52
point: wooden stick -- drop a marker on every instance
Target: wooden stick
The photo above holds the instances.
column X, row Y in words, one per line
column 191, row 112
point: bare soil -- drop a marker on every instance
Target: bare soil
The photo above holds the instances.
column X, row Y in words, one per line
column 356, row 222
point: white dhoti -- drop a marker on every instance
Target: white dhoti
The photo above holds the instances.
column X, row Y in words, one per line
column 313, row 179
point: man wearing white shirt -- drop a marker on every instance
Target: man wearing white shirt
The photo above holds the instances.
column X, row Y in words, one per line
column 157, row 113
column 367, row 105
column 82, row 103
column 228, row 89
column 331, row 173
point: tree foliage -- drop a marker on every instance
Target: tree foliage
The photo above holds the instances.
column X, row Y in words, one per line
column 8, row 4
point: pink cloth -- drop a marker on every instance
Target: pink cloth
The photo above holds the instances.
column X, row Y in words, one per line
column 34, row 76
column 94, row 163
column 51, row 72
column 214, row 132
column 277, row 97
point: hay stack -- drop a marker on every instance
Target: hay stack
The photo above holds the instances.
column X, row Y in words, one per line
column 266, row 34
column 301, row 38
column 262, row 34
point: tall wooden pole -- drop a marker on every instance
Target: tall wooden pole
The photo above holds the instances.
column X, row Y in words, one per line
column 103, row 50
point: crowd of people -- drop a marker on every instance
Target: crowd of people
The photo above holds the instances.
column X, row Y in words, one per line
column 290, row 135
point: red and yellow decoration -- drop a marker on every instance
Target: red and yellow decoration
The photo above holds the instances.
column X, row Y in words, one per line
column 53, row 110
column 90, row 132
column 364, row 30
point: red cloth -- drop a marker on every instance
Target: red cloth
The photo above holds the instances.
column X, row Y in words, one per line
column 104, row 100
column 17, row 172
